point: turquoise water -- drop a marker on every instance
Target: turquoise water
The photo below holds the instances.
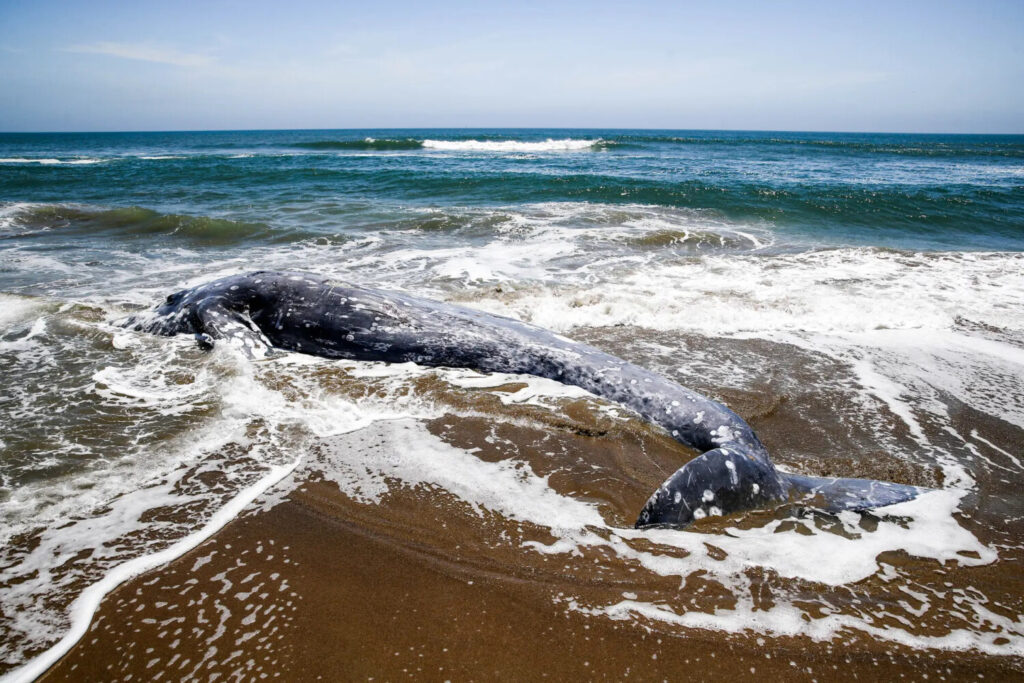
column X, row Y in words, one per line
column 900, row 191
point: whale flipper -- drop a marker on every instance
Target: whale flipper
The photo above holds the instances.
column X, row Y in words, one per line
column 215, row 322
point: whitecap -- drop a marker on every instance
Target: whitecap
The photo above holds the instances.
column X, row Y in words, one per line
column 549, row 145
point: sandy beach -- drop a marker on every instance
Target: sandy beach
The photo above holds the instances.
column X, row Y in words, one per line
column 313, row 584
column 320, row 588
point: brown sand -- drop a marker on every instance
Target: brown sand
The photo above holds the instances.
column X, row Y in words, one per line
column 320, row 587
column 422, row 585
column 334, row 601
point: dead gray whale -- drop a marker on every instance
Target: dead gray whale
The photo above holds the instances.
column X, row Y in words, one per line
column 264, row 311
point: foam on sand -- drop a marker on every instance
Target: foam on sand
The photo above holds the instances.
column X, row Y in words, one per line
column 103, row 515
column 366, row 462
column 382, row 443
column 85, row 606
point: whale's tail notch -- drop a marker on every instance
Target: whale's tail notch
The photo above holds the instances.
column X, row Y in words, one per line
column 733, row 479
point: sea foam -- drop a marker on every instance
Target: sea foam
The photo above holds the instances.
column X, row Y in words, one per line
column 51, row 162
column 404, row 452
column 549, row 145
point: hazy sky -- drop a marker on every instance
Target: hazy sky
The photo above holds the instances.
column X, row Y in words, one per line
column 824, row 65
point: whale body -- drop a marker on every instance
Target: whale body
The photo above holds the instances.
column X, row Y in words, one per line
column 263, row 312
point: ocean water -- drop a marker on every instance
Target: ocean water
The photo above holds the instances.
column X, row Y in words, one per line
column 872, row 285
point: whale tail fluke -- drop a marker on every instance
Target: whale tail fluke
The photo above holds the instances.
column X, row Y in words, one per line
column 722, row 481
column 732, row 479
column 838, row 493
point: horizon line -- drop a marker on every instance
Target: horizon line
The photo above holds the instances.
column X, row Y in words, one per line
column 488, row 128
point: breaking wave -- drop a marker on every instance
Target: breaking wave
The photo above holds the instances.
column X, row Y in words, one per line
column 369, row 144
column 549, row 145
column 386, row 144
column 136, row 222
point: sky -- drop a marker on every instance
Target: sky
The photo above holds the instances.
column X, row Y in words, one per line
column 897, row 66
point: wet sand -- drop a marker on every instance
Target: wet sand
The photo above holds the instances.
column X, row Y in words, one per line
column 319, row 587
column 298, row 593
column 310, row 583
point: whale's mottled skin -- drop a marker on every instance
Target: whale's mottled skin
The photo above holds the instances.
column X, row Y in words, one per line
column 263, row 311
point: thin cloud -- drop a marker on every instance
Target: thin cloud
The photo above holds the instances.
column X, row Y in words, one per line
column 144, row 52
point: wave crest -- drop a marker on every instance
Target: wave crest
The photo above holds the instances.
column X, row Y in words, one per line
column 549, row 145
column 368, row 144
column 51, row 162
column 136, row 222
column 397, row 144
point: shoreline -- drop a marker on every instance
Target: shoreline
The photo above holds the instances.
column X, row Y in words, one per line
column 521, row 495
column 310, row 581
column 83, row 609
column 309, row 588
